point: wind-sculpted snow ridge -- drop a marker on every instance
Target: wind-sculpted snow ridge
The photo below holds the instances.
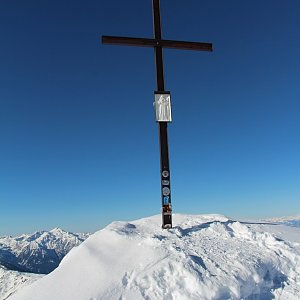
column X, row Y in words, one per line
column 202, row 257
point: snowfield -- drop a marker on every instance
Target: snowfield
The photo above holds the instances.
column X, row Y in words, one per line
column 11, row 281
column 202, row 257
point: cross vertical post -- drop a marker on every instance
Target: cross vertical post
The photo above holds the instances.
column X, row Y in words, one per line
column 162, row 126
column 158, row 44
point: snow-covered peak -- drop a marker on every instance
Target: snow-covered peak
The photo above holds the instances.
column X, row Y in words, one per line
column 40, row 252
column 58, row 230
column 202, row 257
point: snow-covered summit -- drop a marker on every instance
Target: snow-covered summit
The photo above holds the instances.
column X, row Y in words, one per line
column 202, row 257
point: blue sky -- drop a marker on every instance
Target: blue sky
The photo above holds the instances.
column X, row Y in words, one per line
column 79, row 144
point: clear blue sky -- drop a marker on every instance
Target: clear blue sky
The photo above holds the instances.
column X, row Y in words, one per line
column 78, row 140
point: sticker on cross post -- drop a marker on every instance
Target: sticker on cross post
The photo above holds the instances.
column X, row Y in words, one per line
column 166, row 191
column 165, row 174
column 166, row 200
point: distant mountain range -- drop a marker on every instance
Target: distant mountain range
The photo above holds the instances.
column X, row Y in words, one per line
column 40, row 252
column 293, row 221
column 25, row 258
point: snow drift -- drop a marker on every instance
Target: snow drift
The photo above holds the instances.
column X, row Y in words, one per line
column 203, row 257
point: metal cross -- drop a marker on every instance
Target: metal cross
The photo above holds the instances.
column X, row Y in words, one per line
column 158, row 44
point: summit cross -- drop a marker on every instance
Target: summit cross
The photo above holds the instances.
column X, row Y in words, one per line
column 158, row 44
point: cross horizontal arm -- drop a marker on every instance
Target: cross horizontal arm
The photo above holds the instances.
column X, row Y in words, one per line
column 143, row 42
column 129, row 41
column 186, row 45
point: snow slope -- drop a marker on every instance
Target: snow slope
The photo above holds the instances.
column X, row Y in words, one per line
column 202, row 257
column 11, row 281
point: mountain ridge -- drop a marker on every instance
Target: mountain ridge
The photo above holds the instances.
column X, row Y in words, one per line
column 39, row 252
column 25, row 258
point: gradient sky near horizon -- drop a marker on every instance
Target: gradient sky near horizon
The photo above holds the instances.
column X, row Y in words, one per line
column 78, row 140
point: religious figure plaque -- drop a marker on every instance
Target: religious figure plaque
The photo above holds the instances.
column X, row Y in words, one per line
column 162, row 106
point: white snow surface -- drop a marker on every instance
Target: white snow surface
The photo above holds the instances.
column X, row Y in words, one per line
column 11, row 281
column 202, row 257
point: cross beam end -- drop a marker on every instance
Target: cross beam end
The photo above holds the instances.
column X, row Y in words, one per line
column 198, row 46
